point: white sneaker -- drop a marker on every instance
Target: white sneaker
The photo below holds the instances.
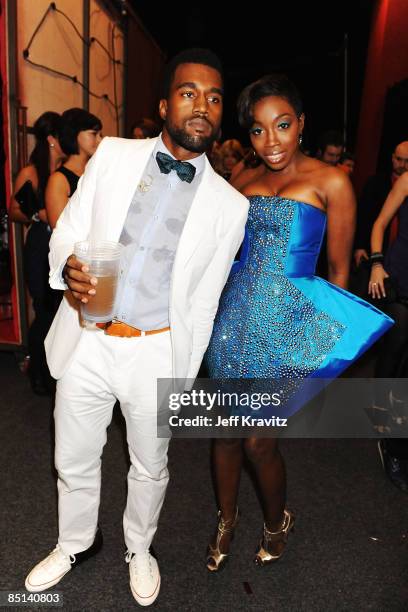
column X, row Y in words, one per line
column 49, row 571
column 144, row 577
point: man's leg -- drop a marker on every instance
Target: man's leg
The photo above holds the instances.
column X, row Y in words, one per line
column 148, row 474
column 83, row 410
column 145, row 359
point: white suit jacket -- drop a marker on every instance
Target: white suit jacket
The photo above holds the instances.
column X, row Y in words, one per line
column 211, row 236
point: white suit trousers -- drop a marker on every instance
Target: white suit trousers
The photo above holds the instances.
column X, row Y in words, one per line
column 104, row 369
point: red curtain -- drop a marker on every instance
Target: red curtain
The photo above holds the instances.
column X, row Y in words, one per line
column 12, row 333
column 387, row 64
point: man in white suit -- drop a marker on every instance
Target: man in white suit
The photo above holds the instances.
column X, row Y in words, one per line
column 181, row 225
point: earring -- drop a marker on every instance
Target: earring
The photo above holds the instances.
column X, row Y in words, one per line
column 300, row 139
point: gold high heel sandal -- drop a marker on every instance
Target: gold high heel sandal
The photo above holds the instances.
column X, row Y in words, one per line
column 273, row 543
column 215, row 558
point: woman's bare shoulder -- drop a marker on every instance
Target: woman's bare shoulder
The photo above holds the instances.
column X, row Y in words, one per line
column 326, row 176
column 57, row 180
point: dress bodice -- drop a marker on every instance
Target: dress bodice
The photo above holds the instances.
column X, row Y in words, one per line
column 283, row 236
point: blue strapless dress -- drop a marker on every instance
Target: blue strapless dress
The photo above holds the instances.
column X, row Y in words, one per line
column 276, row 319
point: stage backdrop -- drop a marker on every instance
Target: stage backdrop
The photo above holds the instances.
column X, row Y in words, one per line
column 58, row 45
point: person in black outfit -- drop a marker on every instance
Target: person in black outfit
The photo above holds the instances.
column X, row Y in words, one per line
column 373, row 196
column 27, row 206
column 389, row 283
column 80, row 135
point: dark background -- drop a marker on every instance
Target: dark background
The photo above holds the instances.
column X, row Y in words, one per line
column 303, row 39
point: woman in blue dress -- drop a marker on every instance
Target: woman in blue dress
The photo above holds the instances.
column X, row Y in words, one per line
column 276, row 319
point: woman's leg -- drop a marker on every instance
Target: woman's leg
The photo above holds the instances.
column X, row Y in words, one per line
column 227, row 465
column 270, row 471
column 264, row 455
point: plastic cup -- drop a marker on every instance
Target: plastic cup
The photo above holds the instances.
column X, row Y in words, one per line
column 103, row 259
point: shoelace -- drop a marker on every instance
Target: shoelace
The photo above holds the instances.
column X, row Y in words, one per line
column 143, row 567
column 57, row 550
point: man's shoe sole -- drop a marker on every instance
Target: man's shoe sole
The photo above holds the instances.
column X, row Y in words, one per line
column 146, row 601
column 43, row 587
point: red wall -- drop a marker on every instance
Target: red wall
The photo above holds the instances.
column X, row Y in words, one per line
column 387, row 63
column 9, row 329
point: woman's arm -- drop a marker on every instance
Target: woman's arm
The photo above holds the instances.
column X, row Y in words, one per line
column 391, row 205
column 56, row 197
column 341, row 220
column 26, row 174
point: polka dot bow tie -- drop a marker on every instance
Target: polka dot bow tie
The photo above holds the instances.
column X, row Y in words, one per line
column 185, row 170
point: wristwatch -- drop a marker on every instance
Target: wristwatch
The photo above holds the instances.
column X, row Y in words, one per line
column 35, row 217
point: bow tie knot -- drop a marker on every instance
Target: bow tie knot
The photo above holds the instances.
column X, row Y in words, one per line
column 185, row 170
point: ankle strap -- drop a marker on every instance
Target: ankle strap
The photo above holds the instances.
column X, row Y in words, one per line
column 283, row 528
column 226, row 526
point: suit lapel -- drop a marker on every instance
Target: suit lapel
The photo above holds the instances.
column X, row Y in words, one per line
column 125, row 187
column 202, row 213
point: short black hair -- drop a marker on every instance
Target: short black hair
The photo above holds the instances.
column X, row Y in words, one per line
column 331, row 137
column 189, row 56
column 270, row 85
column 73, row 121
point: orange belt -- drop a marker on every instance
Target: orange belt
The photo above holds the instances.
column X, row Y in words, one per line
column 122, row 330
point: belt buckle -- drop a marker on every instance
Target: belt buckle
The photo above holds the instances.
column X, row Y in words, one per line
column 118, row 327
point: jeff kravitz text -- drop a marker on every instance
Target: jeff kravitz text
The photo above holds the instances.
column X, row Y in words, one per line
column 235, row 402
column 232, row 421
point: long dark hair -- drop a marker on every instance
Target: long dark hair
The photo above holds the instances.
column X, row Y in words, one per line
column 48, row 124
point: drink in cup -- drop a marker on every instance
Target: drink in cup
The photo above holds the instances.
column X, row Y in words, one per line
column 103, row 260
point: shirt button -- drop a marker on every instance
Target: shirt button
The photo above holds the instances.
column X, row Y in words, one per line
column 156, row 217
column 142, row 248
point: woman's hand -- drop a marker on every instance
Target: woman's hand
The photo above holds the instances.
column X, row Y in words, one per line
column 376, row 284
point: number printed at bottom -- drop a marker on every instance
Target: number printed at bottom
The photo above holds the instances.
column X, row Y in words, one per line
column 49, row 599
